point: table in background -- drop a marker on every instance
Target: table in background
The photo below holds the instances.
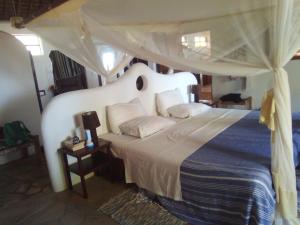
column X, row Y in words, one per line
column 244, row 104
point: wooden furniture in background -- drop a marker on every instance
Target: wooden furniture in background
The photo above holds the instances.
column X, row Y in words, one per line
column 162, row 68
column 100, row 158
column 211, row 103
column 206, row 92
column 68, row 75
column 202, row 93
column 206, row 80
column 196, row 89
column 244, row 104
column 74, row 83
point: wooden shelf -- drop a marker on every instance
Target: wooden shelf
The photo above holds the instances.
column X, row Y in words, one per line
column 90, row 165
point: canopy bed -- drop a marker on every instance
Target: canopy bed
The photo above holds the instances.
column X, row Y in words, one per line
column 241, row 38
column 216, row 143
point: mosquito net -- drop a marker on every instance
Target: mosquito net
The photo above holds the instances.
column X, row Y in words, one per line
column 65, row 28
column 236, row 37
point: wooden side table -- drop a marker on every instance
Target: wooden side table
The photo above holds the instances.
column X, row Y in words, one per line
column 100, row 158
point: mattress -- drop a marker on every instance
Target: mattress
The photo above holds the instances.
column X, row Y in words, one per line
column 153, row 163
column 119, row 142
column 224, row 167
column 228, row 180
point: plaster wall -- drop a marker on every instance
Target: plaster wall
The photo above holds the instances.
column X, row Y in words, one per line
column 257, row 86
column 18, row 99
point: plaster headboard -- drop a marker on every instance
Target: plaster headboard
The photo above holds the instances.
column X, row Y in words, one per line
column 59, row 118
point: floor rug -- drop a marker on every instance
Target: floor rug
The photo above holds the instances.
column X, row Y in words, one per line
column 134, row 208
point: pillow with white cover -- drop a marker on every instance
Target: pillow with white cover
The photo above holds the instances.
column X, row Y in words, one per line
column 167, row 99
column 121, row 112
column 187, row 110
column 145, row 126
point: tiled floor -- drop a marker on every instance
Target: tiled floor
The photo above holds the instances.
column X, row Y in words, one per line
column 26, row 198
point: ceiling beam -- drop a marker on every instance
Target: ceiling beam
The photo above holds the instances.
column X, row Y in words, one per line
column 29, row 8
column 44, row 9
column 18, row 9
column 4, row 8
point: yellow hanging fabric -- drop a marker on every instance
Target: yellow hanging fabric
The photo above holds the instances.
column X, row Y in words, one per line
column 267, row 114
column 276, row 115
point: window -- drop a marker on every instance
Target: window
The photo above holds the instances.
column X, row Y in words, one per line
column 32, row 43
column 108, row 60
column 200, row 41
column 196, row 43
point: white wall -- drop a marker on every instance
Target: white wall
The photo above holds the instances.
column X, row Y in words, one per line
column 92, row 79
column 42, row 63
column 293, row 68
column 18, row 99
column 257, row 86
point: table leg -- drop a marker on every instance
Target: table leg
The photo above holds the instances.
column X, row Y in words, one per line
column 37, row 148
column 110, row 158
column 67, row 169
column 24, row 152
column 82, row 179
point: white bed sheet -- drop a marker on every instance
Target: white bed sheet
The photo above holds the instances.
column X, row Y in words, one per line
column 154, row 162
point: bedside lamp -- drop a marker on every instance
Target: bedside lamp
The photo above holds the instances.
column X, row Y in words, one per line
column 91, row 122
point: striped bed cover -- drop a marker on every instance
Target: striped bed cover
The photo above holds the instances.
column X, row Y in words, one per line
column 228, row 181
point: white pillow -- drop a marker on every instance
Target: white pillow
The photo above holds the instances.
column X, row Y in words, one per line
column 145, row 125
column 187, row 110
column 121, row 112
column 166, row 99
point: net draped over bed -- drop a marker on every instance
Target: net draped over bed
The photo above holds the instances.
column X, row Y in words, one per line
column 66, row 29
column 233, row 37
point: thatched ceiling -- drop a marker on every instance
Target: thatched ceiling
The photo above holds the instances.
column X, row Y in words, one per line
column 26, row 9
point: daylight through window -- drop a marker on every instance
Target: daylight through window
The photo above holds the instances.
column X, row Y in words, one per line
column 32, row 43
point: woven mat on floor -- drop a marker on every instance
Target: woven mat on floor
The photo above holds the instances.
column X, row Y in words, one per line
column 133, row 208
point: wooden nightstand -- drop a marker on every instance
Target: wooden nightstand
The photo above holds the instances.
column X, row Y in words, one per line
column 100, row 158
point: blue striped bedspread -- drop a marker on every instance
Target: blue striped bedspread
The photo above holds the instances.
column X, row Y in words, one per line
column 228, row 180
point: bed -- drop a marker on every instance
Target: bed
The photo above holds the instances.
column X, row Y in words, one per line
column 160, row 163
column 210, row 169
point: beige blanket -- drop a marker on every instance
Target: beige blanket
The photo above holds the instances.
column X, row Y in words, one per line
column 154, row 162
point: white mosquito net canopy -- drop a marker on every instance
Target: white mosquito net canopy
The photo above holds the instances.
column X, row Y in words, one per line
column 233, row 37
column 66, row 29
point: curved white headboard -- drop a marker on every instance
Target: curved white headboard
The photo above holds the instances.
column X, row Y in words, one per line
column 59, row 118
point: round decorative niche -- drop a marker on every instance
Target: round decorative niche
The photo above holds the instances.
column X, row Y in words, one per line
column 139, row 83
